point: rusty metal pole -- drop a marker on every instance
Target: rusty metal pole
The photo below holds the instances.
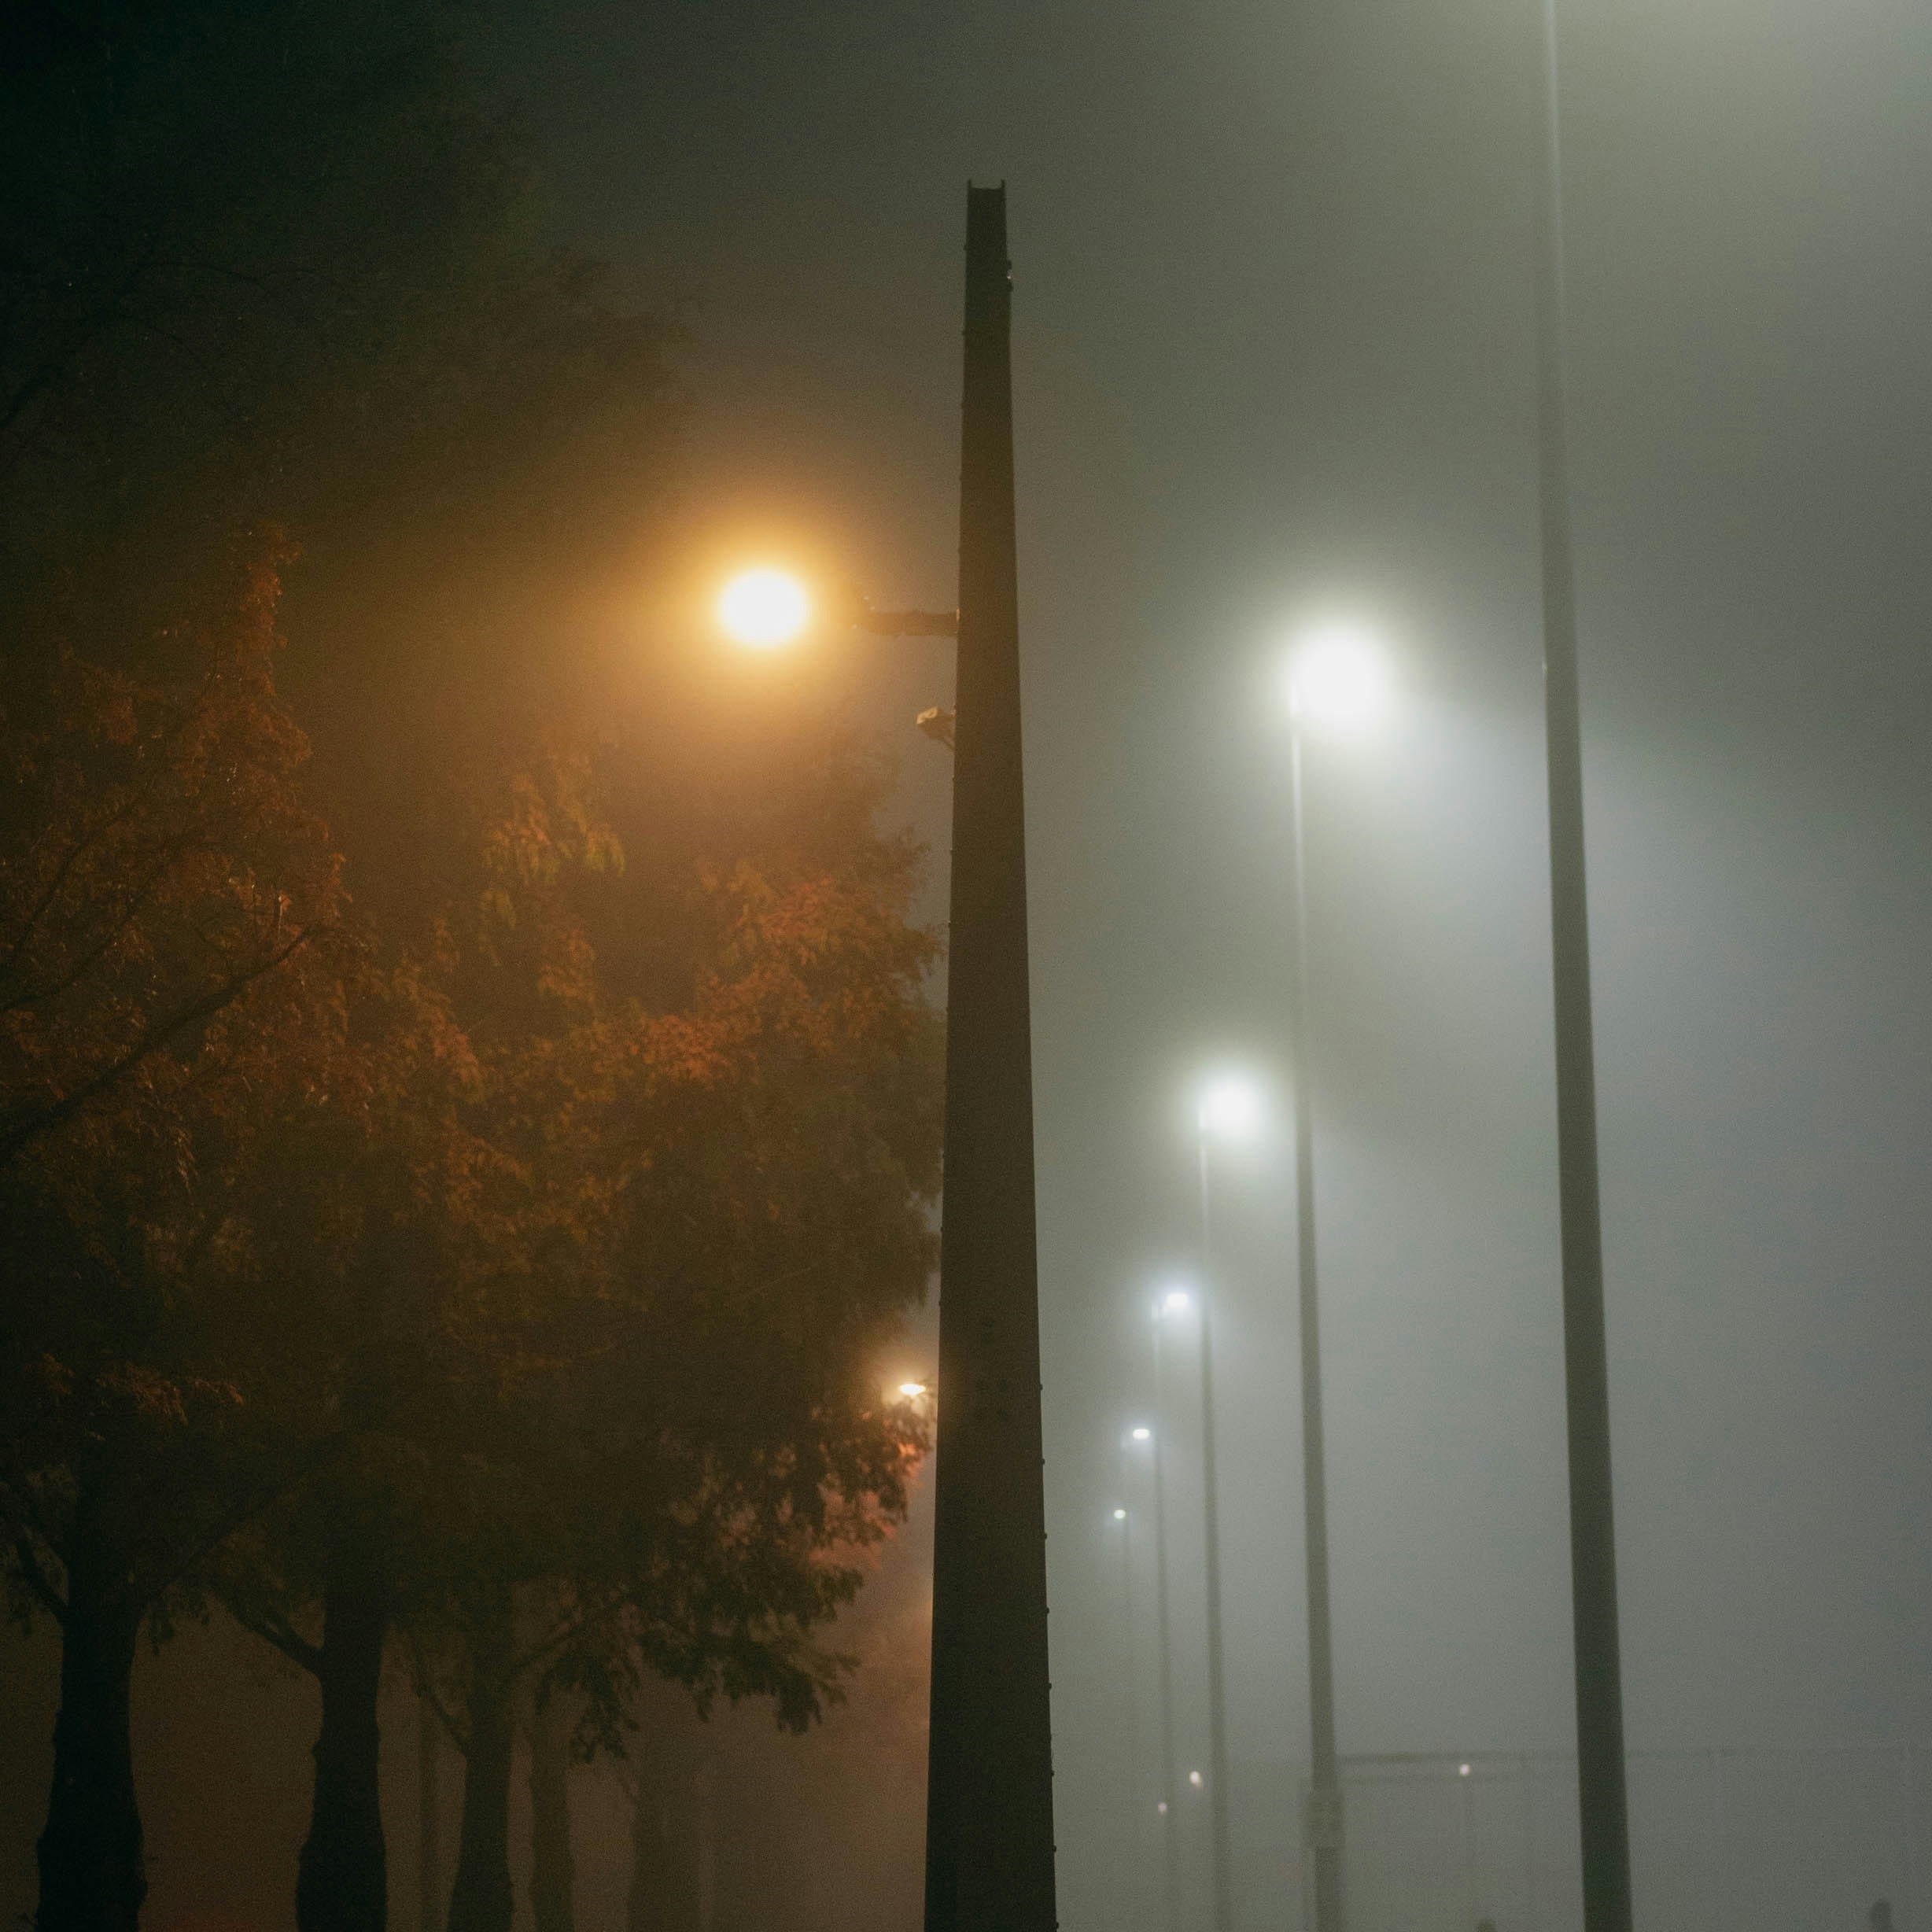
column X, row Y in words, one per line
column 989, row 1793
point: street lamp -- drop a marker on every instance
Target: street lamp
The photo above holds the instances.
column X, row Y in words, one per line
column 1337, row 683
column 1130, row 1755
column 765, row 607
column 1230, row 1109
column 1175, row 1302
column 1338, row 679
column 989, row 1792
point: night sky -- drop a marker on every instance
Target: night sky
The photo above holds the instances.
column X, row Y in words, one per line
column 1273, row 362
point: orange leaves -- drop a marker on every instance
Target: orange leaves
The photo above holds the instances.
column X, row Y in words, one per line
column 159, row 876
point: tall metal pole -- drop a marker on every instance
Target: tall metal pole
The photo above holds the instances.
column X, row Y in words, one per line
column 1170, row 1822
column 989, row 1791
column 1211, row 1530
column 1601, row 1801
column 1325, row 1807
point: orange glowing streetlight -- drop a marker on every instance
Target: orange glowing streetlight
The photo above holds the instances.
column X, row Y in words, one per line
column 764, row 608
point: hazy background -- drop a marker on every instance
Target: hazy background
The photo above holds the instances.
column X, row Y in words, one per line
column 1272, row 360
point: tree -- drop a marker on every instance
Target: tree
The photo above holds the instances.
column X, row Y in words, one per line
column 169, row 944
column 651, row 1247
column 736, row 1188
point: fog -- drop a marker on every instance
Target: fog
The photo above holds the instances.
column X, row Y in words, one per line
column 1273, row 354
column 1274, row 361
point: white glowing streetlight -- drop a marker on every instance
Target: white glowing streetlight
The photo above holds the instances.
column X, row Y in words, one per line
column 1176, row 1301
column 912, row 1390
column 1120, row 1515
column 1338, row 678
column 1232, row 1108
column 764, row 608
column 1338, row 684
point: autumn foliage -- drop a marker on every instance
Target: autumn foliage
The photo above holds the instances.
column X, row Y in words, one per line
column 509, row 1288
column 469, row 1121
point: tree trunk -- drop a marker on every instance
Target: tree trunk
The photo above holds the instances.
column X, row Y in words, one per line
column 553, row 1873
column 93, row 1871
column 429, row 1816
column 667, row 1889
column 342, row 1882
column 481, row 1900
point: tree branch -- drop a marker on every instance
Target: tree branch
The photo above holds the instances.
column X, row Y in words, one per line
column 277, row 1630
column 151, row 1042
column 89, row 839
column 426, row 1689
column 35, row 1578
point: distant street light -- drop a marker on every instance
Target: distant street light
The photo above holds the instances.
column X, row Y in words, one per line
column 1337, row 678
column 1230, row 1109
column 912, row 1390
column 1130, row 1818
column 1175, row 1302
column 1336, row 682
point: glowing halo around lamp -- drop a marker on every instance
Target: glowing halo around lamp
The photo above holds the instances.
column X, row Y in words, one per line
column 1176, row 1301
column 1142, row 1434
column 1337, row 678
column 1231, row 1109
column 912, row 1390
column 764, row 608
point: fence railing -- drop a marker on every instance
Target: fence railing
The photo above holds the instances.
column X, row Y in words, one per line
column 1722, row 1841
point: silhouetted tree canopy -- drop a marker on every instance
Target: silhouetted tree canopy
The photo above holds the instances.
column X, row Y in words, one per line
column 468, row 1104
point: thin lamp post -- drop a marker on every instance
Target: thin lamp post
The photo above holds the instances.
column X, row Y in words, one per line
column 1210, row 1532
column 1325, row 1810
column 1131, row 1757
column 1170, row 1867
column 1602, row 1802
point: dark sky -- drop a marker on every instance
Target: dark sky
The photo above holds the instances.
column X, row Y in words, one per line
column 1273, row 360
